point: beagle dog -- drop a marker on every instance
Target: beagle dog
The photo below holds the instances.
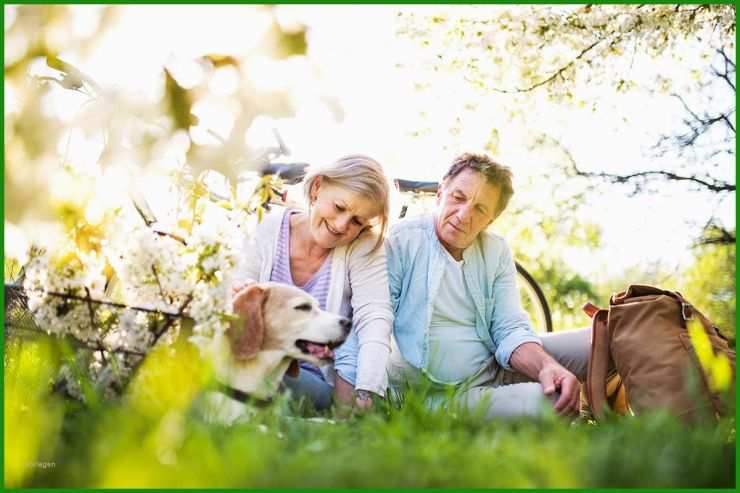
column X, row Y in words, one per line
column 277, row 324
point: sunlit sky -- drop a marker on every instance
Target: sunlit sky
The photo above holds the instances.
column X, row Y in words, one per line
column 351, row 97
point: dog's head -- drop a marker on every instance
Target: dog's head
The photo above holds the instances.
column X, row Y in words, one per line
column 279, row 317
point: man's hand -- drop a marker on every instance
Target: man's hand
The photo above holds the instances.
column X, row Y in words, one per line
column 554, row 378
column 531, row 360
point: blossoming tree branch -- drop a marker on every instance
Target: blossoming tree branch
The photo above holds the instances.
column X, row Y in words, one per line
column 135, row 280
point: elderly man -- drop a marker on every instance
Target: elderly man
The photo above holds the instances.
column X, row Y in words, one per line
column 458, row 317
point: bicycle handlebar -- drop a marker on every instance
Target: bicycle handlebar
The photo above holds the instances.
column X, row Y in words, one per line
column 292, row 173
column 416, row 186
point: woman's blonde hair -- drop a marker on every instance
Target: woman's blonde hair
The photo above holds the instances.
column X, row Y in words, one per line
column 360, row 174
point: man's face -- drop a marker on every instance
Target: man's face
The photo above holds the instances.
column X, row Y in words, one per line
column 466, row 205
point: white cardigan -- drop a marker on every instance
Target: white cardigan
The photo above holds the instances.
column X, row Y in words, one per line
column 358, row 290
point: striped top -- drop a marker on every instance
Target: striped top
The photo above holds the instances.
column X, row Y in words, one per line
column 317, row 286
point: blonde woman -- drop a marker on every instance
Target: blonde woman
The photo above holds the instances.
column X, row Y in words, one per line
column 334, row 251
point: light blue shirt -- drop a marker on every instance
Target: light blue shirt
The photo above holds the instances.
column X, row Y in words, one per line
column 416, row 266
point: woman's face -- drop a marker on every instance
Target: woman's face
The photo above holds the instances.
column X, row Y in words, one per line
column 338, row 215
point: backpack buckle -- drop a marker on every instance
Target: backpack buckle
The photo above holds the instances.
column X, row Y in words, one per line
column 686, row 308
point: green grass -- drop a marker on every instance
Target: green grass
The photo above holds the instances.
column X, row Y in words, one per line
column 131, row 443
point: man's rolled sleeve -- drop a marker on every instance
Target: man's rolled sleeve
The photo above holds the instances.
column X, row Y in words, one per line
column 509, row 345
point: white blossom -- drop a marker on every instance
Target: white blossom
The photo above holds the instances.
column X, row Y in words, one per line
column 187, row 274
column 49, row 279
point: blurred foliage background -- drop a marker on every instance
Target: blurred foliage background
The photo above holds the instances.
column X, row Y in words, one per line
column 619, row 123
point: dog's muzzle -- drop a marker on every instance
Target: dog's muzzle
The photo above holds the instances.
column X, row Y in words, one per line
column 325, row 351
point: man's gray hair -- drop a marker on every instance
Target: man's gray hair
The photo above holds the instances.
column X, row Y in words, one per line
column 496, row 174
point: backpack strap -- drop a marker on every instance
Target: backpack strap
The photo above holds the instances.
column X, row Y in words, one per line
column 598, row 363
column 689, row 312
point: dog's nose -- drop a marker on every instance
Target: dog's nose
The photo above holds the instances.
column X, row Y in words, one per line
column 346, row 324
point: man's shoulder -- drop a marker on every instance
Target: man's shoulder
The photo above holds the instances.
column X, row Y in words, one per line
column 494, row 249
column 491, row 239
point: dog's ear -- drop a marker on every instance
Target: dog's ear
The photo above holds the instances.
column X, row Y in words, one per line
column 248, row 333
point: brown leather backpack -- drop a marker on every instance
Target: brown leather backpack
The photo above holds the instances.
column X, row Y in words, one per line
column 641, row 356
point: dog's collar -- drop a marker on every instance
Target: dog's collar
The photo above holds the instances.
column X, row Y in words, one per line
column 241, row 396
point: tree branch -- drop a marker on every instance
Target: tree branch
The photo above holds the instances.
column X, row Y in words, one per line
column 554, row 74
column 69, row 296
column 150, row 220
column 697, row 125
column 96, row 345
column 721, row 237
column 686, row 107
column 729, row 69
column 715, row 234
column 168, row 323
column 156, row 278
column 714, row 186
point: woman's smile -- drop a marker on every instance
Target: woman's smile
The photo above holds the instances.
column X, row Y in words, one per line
column 332, row 230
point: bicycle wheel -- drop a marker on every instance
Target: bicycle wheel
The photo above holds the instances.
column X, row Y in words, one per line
column 533, row 300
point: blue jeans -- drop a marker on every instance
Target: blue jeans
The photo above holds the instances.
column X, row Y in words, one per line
column 311, row 385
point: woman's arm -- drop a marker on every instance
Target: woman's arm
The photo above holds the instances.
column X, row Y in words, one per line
column 258, row 248
column 250, row 263
column 372, row 314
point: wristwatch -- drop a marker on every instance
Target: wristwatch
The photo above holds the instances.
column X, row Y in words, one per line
column 363, row 395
